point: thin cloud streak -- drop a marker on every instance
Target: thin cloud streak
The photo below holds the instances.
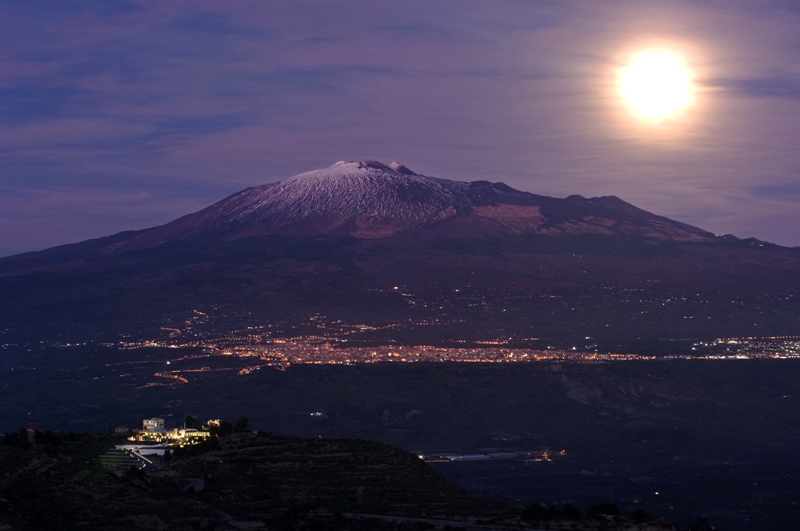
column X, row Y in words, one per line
column 758, row 88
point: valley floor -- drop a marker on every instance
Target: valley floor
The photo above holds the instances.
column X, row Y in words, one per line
column 713, row 437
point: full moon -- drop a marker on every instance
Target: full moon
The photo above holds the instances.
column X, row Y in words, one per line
column 656, row 85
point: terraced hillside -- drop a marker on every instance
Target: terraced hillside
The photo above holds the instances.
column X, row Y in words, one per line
column 246, row 480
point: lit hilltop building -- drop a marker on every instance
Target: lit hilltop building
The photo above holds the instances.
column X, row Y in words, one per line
column 154, row 431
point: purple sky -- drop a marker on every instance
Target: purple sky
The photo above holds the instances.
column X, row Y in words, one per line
column 121, row 115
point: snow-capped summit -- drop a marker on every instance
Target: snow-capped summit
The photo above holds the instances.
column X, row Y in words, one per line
column 350, row 167
column 365, row 199
column 399, row 168
column 368, row 199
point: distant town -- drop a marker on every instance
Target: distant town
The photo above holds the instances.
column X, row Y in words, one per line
column 320, row 340
column 209, row 347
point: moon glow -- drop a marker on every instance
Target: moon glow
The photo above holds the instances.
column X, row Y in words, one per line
column 656, row 85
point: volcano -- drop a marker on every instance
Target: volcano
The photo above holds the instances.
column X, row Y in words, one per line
column 369, row 200
column 367, row 242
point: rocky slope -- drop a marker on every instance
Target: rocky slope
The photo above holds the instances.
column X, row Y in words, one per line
column 368, row 199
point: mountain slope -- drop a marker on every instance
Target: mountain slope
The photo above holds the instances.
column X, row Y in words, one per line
column 370, row 200
column 367, row 242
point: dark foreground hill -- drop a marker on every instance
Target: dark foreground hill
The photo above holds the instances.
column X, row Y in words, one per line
column 364, row 242
column 250, row 481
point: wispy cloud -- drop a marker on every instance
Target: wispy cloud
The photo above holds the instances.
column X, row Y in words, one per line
column 194, row 99
column 788, row 191
column 776, row 87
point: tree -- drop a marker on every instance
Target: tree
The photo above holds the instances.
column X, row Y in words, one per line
column 538, row 513
column 700, row 525
column 241, row 424
column 192, row 422
column 17, row 440
column 603, row 508
column 224, row 428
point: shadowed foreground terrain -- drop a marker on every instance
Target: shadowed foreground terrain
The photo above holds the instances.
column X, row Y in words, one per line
column 255, row 480
column 711, row 437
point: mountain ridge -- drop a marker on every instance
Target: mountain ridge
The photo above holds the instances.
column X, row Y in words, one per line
column 470, row 259
column 368, row 199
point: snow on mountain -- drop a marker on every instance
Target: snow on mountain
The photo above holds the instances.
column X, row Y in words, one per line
column 368, row 199
column 376, row 197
